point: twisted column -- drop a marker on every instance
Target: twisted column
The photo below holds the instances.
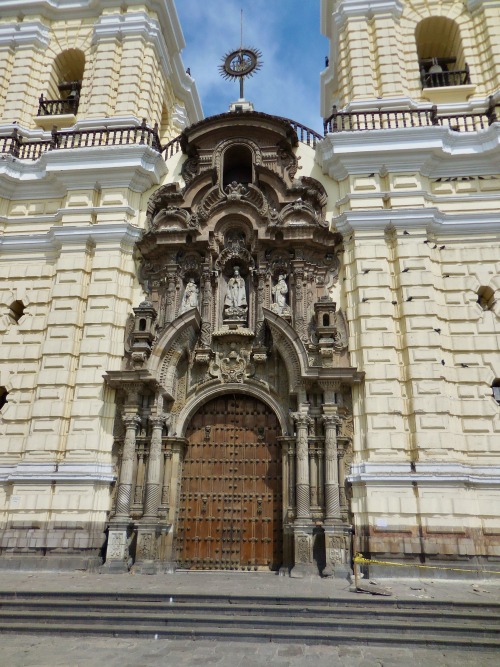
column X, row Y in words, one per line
column 124, row 495
column 332, row 496
column 153, row 491
column 302, row 422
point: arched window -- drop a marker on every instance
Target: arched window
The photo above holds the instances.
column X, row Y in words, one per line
column 440, row 53
column 63, row 94
column 238, row 166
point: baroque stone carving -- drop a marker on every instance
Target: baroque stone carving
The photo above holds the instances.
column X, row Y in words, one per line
column 303, row 554
column 190, row 296
column 280, row 291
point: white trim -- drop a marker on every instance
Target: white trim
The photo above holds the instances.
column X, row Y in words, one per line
column 434, row 474
column 433, row 151
column 57, row 472
column 28, row 33
column 432, row 219
column 57, row 237
column 134, row 166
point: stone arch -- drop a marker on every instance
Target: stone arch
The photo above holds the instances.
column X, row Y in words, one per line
column 169, row 348
column 195, row 402
column 289, row 345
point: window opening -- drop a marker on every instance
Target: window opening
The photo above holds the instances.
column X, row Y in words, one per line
column 496, row 390
column 238, row 166
column 440, row 53
column 3, row 396
column 16, row 310
column 486, row 297
column 63, row 95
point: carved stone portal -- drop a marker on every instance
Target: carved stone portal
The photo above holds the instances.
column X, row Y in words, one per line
column 238, row 268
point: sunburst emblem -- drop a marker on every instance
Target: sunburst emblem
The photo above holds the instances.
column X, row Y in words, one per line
column 240, row 63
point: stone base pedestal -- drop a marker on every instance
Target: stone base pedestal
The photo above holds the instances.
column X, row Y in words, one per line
column 117, row 552
column 148, row 556
column 304, row 565
column 338, row 545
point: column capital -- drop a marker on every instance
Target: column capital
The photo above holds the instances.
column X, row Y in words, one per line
column 301, row 419
column 330, row 420
column 131, row 421
column 157, row 421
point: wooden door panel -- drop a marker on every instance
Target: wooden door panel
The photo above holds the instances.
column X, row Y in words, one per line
column 230, row 505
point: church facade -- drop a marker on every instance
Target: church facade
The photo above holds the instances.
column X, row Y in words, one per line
column 231, row 343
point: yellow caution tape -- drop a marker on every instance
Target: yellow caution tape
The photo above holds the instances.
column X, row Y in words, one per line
column 359, row 558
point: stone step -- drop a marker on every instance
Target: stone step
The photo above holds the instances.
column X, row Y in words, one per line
column 482, row 616
column 292, row 634
column 369, row 624
column 357, row 601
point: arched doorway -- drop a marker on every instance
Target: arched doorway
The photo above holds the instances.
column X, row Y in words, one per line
column 230, row 511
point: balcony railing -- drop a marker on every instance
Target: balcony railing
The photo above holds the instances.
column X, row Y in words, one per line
column 460, row 77
column 354, row 121
column 58, row 107
column 15, row 144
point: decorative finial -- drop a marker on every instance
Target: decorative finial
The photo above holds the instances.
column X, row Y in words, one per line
column 243, row 62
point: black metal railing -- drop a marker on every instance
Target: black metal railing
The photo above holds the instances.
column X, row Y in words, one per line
column 58, row 107
column 353, row 121
column 16, row 145
column 459, row 77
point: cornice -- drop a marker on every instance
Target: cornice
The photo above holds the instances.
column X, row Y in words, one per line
column 433, row 220
column 26, row 34
column 432, row 474
column 134, row 166
column 120, row 235
column 57, row 472
column 474, row 5
column 365, row 9
column 433, row 151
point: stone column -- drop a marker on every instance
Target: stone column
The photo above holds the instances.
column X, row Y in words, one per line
column 153, row 491
column 117, row 555
column 124, row 495
column 171, row 279
column 332, row 495
column 302, row 495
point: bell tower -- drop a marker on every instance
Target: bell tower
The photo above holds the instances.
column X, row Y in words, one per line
column 394, row 54
column 411, row 95
column 91, row 92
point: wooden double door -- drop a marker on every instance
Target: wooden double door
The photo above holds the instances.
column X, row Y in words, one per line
column 230, row 512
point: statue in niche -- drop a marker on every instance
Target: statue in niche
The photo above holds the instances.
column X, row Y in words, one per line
column 190, row 297
column 235, row 303
column 279, row 292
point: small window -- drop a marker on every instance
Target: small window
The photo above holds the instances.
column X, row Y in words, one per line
column 496, row 390
column 486, row 297
column 3, row 396
column 16, row 311
column 326, row 320
column 142, row 325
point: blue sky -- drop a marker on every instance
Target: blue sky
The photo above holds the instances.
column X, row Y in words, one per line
column 293, row 54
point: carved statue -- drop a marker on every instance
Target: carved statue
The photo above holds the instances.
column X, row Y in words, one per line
column 235, row 302
column 279, row 291
column 190, row 297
